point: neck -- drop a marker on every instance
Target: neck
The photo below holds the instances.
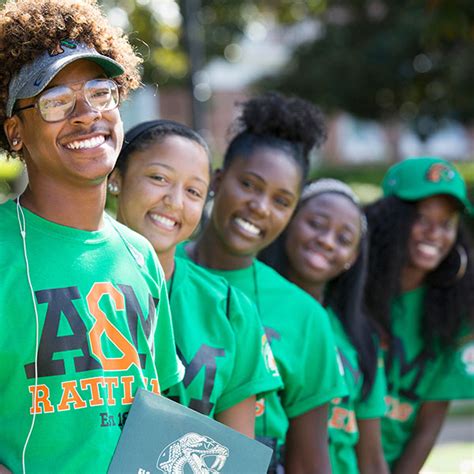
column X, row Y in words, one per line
column 209, row 251
column 314, row 289
column 80, row 208
column 167, row 262
column 411, row 278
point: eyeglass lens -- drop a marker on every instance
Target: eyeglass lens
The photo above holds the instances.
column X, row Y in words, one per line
column 57, row 103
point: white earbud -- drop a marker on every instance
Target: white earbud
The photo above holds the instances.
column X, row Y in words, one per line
column 22, row 227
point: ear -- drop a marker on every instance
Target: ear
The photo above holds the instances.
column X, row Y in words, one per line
column 12, row 128
column 114, row 184
column 216, row 180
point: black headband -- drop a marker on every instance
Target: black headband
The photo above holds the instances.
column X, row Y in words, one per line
column 139, row 130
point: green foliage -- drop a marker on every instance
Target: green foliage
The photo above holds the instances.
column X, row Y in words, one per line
column 225, row 21
column 390, row 59
column 220, row 23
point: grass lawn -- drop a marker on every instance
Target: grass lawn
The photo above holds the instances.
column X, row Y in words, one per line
column 450, row 458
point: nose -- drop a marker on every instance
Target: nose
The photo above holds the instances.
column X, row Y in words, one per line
column 326, row 239
column 260, row 207
column 430, row 229
column 173, row 198
column 83, row 112
column 433, row 231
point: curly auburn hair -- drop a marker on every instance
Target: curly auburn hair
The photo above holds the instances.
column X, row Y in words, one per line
column 29, row 27
column 449, row 301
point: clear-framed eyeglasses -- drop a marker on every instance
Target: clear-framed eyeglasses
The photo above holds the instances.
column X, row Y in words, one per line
column 57, row 104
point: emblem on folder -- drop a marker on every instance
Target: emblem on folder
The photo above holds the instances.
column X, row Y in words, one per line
column 193, row 451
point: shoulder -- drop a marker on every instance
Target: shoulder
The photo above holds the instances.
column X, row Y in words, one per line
column 214, row 286
column 10, row 240
column 7, row 214
column 286, row 289
column 140, row 248
column 201, row 276
column 132, row 237
column 9, row 224
column 193, row 277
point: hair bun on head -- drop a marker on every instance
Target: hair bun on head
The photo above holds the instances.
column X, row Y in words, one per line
column 288, row 118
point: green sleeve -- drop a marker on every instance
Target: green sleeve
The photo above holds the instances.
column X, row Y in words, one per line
column 314, row 376
column 169, row 368
column 374, row 405
column 454, row 378
column 254, row 371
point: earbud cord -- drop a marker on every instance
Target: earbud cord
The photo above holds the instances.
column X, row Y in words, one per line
column 22, row 225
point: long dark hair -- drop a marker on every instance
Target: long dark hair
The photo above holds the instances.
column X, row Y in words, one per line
column 449, row 299
column 345, row 295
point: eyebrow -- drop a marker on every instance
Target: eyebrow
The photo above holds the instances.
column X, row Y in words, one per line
column 262, row 180
column 155, row 163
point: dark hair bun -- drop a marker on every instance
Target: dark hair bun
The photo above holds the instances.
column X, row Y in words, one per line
column 288, row 118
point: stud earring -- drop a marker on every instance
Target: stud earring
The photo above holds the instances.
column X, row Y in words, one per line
column 113, row 188
column 15, row 141
column 347, row 265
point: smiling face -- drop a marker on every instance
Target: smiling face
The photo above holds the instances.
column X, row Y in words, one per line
column 163, row 191
column 255, row 197
column 433, row 233
column 323, row 239
column 80, row 149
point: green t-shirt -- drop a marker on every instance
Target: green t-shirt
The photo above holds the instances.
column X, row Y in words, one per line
column 344, row 412
column 104, row 331
column 302, row 341
column 220, row 341
column 414, row 376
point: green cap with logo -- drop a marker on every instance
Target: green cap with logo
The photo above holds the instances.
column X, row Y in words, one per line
column 421, row 177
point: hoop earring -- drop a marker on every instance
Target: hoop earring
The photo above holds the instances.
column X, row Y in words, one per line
column 462, row 262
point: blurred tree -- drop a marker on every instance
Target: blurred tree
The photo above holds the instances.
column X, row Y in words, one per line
column 156, row 28
column 177, row 37
column 408, row 60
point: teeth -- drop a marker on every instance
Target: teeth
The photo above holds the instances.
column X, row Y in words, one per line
column 247, row 226
column 86, row 144
column 428, row 249
column 163, row 220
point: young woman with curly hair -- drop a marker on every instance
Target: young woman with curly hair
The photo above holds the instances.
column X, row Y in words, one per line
column 84, row 312
column 324, row 251
column 420, row 293
column 256, row 193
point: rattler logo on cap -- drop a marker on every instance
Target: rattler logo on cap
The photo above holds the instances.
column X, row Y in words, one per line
column 439, row 172
column 59, row 48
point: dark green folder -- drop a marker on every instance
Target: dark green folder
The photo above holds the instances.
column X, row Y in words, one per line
column 162, row 436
